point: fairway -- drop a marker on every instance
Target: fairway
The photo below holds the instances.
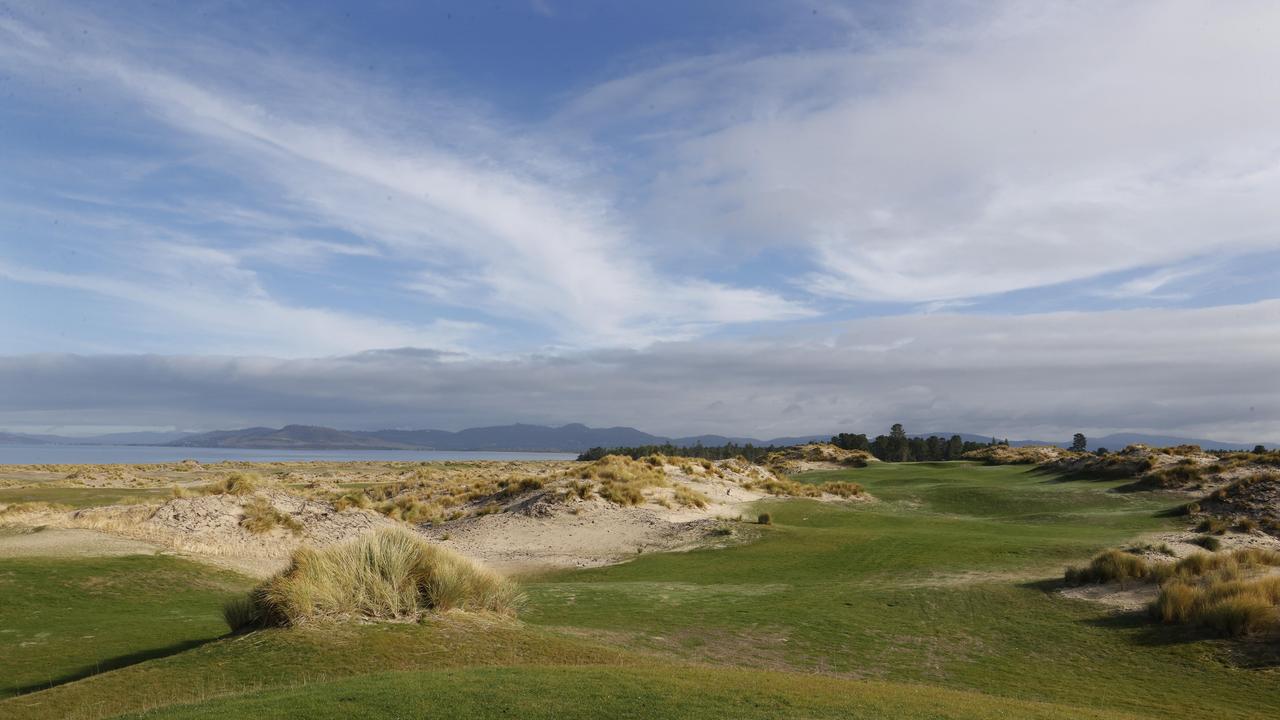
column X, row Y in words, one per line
column 936, row 600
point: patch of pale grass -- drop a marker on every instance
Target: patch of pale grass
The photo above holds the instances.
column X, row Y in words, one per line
column 392, row 574
column 260, row 517
column 688, row 497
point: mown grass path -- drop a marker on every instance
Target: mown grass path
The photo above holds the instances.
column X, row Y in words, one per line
column 946, row 580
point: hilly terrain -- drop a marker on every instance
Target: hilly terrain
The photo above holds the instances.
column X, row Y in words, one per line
column 574, row 437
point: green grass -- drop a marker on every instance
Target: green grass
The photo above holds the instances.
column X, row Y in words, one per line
column 592, row 692
column 945, row 581
column 61, row 620
column 79, row 497
column 936, row 601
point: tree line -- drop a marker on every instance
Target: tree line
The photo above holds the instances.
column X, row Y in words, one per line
column 897, row 447
column 749, row 452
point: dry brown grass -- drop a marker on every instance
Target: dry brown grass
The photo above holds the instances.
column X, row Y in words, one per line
column 688, row 497
column 391, row 574
column 622, row 480
column 261, row 517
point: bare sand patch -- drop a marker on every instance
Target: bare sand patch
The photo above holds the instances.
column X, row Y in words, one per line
column 70, row 542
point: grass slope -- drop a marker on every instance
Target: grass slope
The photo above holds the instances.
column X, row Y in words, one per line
column 63, row 619
column 933, row 602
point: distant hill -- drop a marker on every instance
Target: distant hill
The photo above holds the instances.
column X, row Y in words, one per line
column 575, row 437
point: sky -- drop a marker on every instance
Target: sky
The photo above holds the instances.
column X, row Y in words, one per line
column 1024, row 219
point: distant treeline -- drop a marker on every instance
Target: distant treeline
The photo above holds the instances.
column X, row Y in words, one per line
column 897, row 447
column 752, row 453
column 894, row 447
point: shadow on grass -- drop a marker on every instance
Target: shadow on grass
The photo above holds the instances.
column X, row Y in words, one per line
column 114, row 663
column 1253, row 653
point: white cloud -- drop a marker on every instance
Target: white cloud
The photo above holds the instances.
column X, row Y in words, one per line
column 535, row 242
column 1019, row 146
column 227, row 311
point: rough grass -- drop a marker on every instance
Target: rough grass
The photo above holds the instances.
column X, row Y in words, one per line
column 688, row 497
column 237, row 483
column 260, row 517
column 391, row 574
column 1221, row 602
column 622, row 480
column 1110, row 566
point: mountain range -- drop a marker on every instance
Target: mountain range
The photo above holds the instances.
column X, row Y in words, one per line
column 528, row 438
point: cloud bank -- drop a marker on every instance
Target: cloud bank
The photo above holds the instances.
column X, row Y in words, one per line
column 1208, row 371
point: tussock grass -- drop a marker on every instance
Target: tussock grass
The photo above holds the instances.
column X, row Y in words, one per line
column 260, row 517
column 688, row 497
column 842, row 489
column 1208, row 542
column 1216, row 526
column 622, row 481
column 237, row 483
column 764, row 519
column 391, row 574
column 1221, row 602
column 1110, row 566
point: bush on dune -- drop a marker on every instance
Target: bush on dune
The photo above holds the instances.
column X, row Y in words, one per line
column 393, row 574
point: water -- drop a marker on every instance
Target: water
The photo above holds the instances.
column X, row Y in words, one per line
column 135, row 454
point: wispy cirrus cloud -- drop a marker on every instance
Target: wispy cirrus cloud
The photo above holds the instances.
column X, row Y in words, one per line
column 522, row 237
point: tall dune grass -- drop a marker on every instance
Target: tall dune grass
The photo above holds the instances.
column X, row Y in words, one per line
column 392, row 574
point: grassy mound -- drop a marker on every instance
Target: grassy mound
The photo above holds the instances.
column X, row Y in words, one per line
column 392, row 574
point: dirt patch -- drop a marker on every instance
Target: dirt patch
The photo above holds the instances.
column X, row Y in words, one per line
column 1123, row 597
column 598, row 533
column 210, row 528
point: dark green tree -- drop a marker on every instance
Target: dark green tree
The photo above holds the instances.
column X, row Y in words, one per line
column 1079, row 443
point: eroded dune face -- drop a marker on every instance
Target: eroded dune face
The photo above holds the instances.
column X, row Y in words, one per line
column 512, row 516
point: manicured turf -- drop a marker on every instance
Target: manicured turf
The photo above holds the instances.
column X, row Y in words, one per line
column 591, row 692
column 63, row 619
column 936, row 601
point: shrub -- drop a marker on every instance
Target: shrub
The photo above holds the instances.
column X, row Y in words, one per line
column 260, row 516
column 1247, row 525
column 765, row 519
column 392, row 574
column 1208, row 542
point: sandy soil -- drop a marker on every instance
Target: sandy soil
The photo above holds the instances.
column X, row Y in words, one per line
column 1123, row 597
column 548, row 526
column 67, row 542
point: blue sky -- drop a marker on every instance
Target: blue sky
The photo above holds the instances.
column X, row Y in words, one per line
column 523, row 185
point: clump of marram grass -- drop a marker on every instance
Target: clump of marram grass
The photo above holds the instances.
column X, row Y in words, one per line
column 391, row 574
column 1221, row 602
column 260, row 517
column 237, row 483
column 1110, row 566
column 688, row 497
column 622, row 480
column 842, row 489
